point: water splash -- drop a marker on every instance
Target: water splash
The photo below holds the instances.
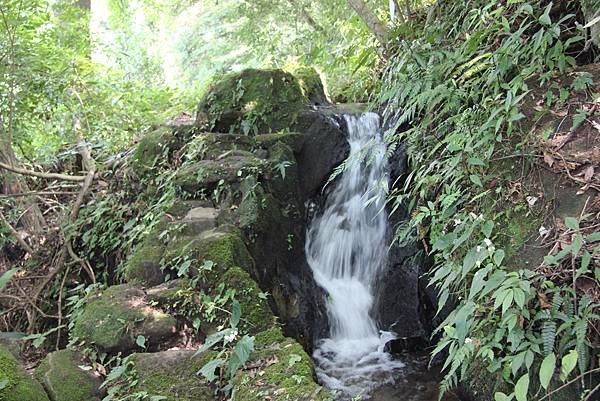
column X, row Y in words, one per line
column 346, row 248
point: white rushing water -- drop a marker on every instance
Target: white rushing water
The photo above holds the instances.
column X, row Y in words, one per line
column 346, row 248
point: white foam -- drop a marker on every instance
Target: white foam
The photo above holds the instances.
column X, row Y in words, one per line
column 346, row 248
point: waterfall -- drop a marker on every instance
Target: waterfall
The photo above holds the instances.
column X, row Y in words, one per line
column 346, row 248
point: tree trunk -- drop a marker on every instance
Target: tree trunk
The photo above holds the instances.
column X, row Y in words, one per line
column 371, row 19
column 591, row 10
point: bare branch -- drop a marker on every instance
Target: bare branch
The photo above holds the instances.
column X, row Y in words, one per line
column 14, row 232
column 22, row 171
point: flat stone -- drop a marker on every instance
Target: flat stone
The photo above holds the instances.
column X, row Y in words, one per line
column 200, row 219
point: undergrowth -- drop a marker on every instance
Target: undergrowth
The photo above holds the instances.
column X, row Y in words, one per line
column 459, row 87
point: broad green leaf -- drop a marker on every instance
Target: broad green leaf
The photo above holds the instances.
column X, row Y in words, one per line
column 236, row 313
column 568, row 363
column 244, row 348
column 3, row 384
column 141, row 341
column 208, row 370
column 6, row 277
column 478, row 282
column 502, row 397
column 547, row 370
column 572, row 223
column 213, row 339
column 294, row 358
column 487, row 228
column 498, row 257
column 476, row 180
column 522, row 387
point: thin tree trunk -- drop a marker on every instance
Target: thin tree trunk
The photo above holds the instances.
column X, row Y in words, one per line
column 370, row 19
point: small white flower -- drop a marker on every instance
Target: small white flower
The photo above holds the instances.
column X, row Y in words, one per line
column 478, row 263
column 230, row 337
column 480, row 217
column 457, row 222
column 487, row 242
column 543, row 231
column 532, row 200
column 491, row 249
column 473, row 215
column 478, row 248
column 468, row 340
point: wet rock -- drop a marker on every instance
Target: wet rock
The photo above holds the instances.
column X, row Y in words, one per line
column 62, row 376
column 17, row 384
column 112, row 319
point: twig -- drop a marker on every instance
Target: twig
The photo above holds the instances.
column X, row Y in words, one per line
column 22, row 171
column 589, row 396
column 36, row 193
column 14, row 232
column 569, row 383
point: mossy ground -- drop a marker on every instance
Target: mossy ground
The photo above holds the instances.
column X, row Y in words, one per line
column 285, row 372
column 64, row 380
column 18, row 384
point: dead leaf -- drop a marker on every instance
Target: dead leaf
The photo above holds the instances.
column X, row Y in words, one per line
column 588, row 173
column 548, row 159
column 544, row 301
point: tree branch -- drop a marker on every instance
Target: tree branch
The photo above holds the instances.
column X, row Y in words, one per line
column 22, row 171
column 14, row 232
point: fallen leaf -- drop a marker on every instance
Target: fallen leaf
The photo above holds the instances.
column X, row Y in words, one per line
column 588, row 173
column 548, row 159
column 544, row 301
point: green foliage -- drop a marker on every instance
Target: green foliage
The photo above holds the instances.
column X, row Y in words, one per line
column 460, row 85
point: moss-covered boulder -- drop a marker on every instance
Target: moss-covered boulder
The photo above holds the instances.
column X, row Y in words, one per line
column 294, row 140
column 144, row 265
column 207, row 175
column 16, row 383
column 172, row 374
column 222, row 246
column 64, row 380
column 311, row 84
column 256, row 313
column 253, row 101
column 152, row 148
column 113, row 319
column 281, row 370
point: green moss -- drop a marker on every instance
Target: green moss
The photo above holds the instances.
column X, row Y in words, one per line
column 256, row 313
column 152, row 148
column 290, row 378
column 60, row 374
column 112, row 320
column 225, row 248
column 173, row 374
column 143, row 267
column 20, row 386
column 294, row 140
column 311, row 84
column 253, row 101
column 206, row 174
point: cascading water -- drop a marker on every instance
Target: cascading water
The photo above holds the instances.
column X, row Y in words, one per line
column 346, row 248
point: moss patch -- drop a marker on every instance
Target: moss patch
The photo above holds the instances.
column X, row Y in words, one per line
column 256, row 313
column 311, row 84
column 62, row 378
column 20, row 386
column 172, row 374
column 290, row 378
column 253, row 101
column 143, row 267
column 152, row 148
column 294, row 140
column 223, row 247
column 112, row 320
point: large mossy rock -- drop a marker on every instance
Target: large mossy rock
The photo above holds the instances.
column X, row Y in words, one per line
column 17, row 384
column 253, row 102
column 113, row 319
column 172, row 374
column 311, row 84
column 280, row 370
column 64, row 380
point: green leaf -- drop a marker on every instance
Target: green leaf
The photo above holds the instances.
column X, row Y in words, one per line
column 478, row 282
column 476, row 180
column 213, row 339
column 294, row 358
column 476, row 162
column 502, row 397
column 244, row 348
column 547, row 370
column 3, row 384
column 499, row 257
column 6, row 277
column 208, row 370
column 545, row 18
column 236, row 313
column 522, row 387
column 572, row 223
column 487, row 228
column 141, row 341
column 568, row 363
